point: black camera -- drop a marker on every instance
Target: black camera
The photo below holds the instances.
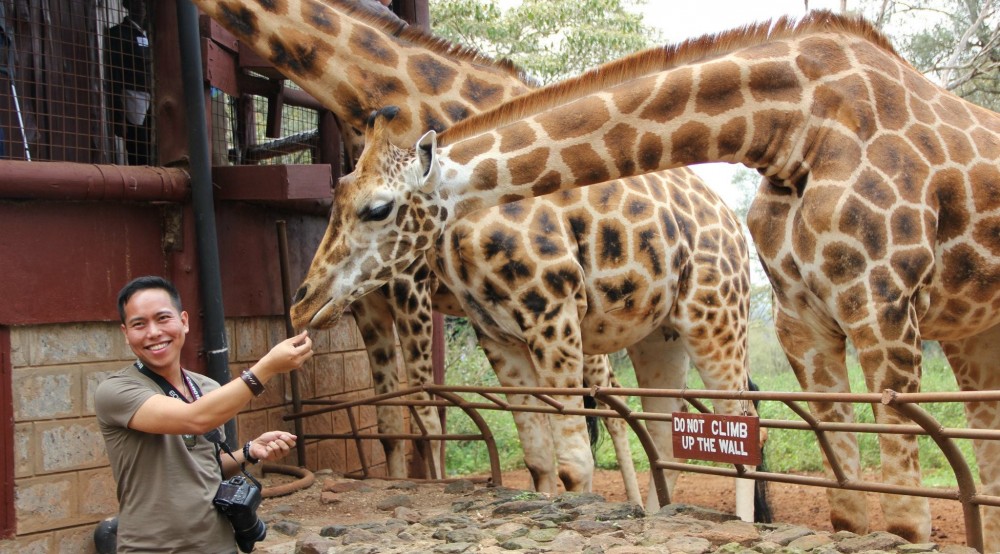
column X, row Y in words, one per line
column 238, row 499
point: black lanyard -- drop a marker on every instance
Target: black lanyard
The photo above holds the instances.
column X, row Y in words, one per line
column 169, row 389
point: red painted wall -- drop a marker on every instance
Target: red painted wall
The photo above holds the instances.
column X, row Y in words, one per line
column 65, row 262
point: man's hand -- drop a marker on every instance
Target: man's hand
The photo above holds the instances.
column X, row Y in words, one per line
column 272, row 445
column 287, row 355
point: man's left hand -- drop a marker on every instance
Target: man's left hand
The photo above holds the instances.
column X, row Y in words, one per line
column 272, row 445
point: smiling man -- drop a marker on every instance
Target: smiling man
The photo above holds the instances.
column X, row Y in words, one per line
column 153, row 414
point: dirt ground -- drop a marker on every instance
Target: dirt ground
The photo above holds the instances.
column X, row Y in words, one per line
column 790, row 503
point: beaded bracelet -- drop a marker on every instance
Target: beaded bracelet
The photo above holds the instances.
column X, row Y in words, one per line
column 256, row 387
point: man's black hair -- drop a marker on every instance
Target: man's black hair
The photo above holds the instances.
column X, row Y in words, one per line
column 144, row 283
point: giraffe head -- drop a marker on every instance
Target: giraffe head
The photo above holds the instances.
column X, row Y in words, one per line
column 384, row 216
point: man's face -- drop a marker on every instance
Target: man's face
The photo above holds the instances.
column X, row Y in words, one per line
column 154, row 329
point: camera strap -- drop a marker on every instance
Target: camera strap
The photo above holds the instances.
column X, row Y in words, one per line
column 213, row 436
column 169, row 389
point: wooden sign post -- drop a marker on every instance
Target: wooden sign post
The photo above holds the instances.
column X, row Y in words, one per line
column 717, row 438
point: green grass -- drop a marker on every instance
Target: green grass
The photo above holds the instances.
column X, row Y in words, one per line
column 787, row 451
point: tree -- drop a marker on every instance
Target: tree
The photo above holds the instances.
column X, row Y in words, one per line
column 954, row 42
column 549, row 39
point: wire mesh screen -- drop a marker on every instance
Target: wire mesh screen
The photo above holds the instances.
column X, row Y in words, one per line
column 246, row 132
column 76, row 81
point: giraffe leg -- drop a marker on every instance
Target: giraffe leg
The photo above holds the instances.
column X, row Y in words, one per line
column 558, row 359
column 820, row 366
column 722, row 366
column 371, row 313
column 893, row 362
column 660, row 363
column 512, row 365
column 974, row 362
column 597, row 372
column 410, row 304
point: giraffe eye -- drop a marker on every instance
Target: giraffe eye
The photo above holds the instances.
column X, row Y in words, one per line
column 376, row 213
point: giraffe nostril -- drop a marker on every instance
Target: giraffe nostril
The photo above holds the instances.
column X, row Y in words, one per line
column 300, row 294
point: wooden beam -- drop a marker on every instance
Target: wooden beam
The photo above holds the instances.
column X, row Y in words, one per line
column 273, row 182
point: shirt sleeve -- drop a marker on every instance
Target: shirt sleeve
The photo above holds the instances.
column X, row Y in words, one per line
column 118, row 398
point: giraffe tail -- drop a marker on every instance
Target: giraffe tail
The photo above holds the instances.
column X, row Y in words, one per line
column 593, row 425
column 761, row 505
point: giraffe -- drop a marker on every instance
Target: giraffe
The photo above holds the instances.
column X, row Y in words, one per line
column 874, row 223
column 370, row 58
column 656, row 264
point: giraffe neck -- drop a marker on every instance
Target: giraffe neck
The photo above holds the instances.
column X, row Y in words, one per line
column 784, row 113
column 355, row 61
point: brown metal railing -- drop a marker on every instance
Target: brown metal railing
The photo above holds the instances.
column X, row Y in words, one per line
column 906, row 404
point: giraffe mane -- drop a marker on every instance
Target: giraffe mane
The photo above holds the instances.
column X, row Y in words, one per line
column 657, row 59
column 421, row 38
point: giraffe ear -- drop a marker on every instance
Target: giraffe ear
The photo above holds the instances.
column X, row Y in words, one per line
column 427, row 156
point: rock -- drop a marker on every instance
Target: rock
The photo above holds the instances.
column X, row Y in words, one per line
column 393, row 502
column 696, row 512
column 328, row 497
column 957, row 549
column 333, row 531
column 403, row 486
column 453, row 520
column 314, row 544
column 785, row 535
column 406, row 514
column 689, row 545
column 459, row 487
column 611, row 511
column 332, row 485
column 809, row 542
column 519, row 543
column 879, row 540
column 453, row 548
column 359, row 536
column 520, row 507
column 916, row 548
column 589, row 528
column 543, row 535
column 569, row 500
column 567, row 541
column 467, row 534
column 733, row 531
column 285, row 527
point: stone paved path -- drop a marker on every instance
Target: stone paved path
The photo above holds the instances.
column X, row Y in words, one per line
column 339, row 516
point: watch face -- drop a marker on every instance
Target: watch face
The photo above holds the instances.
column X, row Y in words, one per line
column 189, row 440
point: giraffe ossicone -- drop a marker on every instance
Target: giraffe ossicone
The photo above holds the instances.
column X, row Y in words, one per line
column 876, row 222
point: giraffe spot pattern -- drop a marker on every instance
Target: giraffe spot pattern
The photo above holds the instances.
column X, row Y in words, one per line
column 620, row 142
column 516, row 136
column 295, row 52
column 526, row 168
column 774, row 81
column 237, row 17
column 585, row 164
column 670, row 101
column 463, row 152
column 320, row 17
column 480, row 92
column 370, row 45
column 720, row 88
column 430, row 118
column 857, row 220
column 575, row 119
column 429, row 75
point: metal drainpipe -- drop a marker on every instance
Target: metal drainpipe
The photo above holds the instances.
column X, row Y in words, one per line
column 216, row 348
